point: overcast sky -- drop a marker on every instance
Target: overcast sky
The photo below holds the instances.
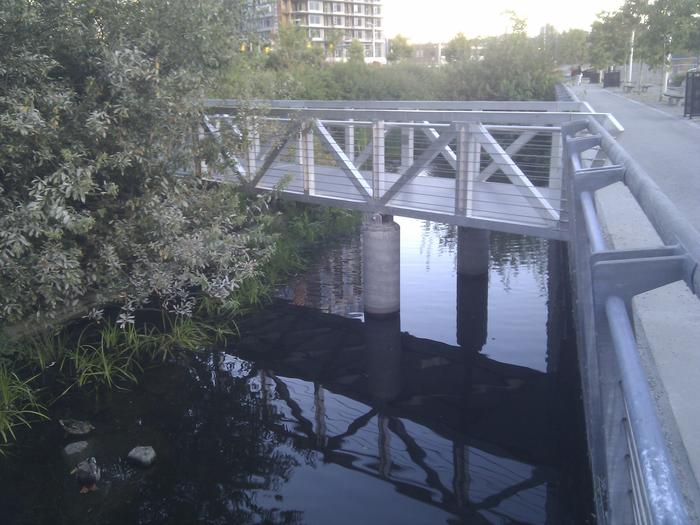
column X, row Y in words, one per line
column 440, row 20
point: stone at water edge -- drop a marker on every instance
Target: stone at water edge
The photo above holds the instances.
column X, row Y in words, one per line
column 78, row 447
column 75, row 427
column 142, row 455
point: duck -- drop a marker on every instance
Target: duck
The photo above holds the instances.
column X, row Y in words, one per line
column 87, row 474
column 75, row 427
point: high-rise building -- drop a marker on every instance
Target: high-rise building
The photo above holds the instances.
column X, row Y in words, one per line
column 332, row 24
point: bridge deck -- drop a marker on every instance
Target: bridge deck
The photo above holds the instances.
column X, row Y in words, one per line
column 496, row 205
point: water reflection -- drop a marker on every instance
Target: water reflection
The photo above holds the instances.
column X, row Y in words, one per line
column 462, row 410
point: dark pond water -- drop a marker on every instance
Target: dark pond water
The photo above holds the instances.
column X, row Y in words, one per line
column 445, row 414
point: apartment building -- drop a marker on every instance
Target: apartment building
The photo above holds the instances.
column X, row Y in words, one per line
column 332, row 24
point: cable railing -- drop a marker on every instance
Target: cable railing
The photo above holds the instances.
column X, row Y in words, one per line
column 636, row 481
column 495, row 165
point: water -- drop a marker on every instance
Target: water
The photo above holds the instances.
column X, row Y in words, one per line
column 316, row 416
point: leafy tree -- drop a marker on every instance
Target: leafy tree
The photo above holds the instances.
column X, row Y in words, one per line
column 572, row 47
column 459, row 49
column 399, row 49
column 99, row 108
column 292, row 48
column 356, row 52
column 609, row 40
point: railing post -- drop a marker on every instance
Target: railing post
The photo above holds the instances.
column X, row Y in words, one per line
column 378, row 176
column 350, row 141
column 253, row 148
column 555, row 162
column 306, row 149
column 468, row 169
column 407, row 147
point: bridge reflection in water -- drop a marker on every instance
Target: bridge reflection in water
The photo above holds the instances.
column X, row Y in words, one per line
column 472, row 438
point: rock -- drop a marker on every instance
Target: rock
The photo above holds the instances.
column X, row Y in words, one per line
column 142, row 455
column 75, row 427
column 76, row 448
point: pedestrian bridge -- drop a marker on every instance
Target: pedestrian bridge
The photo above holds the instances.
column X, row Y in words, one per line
column 529, row 168
column 487, row 165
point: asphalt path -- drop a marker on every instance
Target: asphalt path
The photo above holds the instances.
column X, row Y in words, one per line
column 665, row 144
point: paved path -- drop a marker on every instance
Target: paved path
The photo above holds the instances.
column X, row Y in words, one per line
column 666, row 145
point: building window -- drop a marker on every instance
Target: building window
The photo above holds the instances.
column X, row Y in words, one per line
column 338, row 8
column 377, row 22
column 356, row 8
column 368, row 50
column 314, row 33
column 315, row 5
column 378, row 50
column 368, row 35
column 358, row 21
column 315, row 20
column 338, row 21
column 377, row 10
column 377, row 35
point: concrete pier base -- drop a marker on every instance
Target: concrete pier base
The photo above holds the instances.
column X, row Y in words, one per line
column 381, row 263
column 473, row 255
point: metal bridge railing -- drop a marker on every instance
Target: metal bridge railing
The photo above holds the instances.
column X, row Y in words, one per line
column 634, row 475
column 496, row 168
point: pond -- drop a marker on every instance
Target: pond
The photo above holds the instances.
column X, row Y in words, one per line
column 463, row 409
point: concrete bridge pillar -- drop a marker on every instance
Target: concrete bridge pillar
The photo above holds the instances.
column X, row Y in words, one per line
column 381, row 264
column 472, row 287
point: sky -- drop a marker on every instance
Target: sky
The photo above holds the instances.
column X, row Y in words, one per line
column 443, row 19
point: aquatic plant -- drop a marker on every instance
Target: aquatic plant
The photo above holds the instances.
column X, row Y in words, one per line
column 18, row 404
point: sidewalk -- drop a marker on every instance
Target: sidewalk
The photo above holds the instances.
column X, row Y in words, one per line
column 667, row 320
column 657, row 136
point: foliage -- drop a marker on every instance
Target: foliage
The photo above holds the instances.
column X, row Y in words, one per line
column 660, row 27
column 356, row 52
column 510, row 68
column 18, row 404
column 399, row 49
column 99, row 103
column 459, row 49
column 293, row 48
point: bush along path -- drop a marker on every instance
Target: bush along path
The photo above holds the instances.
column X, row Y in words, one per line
column 106, row 349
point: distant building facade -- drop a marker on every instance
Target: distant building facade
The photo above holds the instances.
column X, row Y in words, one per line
column 428, row 54
column 332, row 24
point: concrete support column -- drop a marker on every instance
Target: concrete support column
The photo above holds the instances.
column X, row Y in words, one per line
column 472, row 288
column 473, row 251
column 381, row 263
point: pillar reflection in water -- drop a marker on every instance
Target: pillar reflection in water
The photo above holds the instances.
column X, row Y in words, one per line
column 472, row 288
column 383, row 339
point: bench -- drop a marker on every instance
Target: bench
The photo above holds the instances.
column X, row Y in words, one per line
column 627, row 88
column 674, row 98
column 644, row 87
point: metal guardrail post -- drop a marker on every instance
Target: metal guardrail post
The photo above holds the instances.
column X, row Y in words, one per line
column 621, row 412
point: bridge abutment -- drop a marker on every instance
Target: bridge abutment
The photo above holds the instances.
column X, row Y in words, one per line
column 381, row 264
